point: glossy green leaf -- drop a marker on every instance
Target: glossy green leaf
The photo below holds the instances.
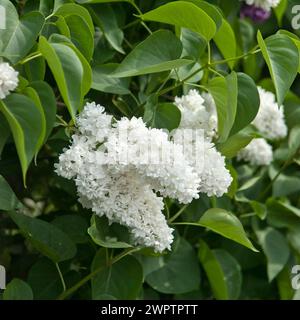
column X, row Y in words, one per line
column 161, row 51
column 108, row 236
column 67, row 70
column 25, row 121
column 33, row 95
column 178, row 271
column 227, row 225
column 11, row 23
column 8, row 199
column 275, row 248
column 166, row 116
column 294, row 140
column 103, row 81
column 224, row 92
column 280, row 10
column 74, row 226
column 209, row 9
column 193, row 44
column 295, row 39
column 45, row 237
column 18, row 290
column 186, row 15
column 68, row 9
column 4, row 132
column 48, row 103
column 81, row 35
column 225, row 41
column 247, row 102
column 281, row 56
column 35, row 69
column 106, row 18
column 24, row 36
column 87, row 70
column 122, row 279
column 223, row 272
column 236, row 142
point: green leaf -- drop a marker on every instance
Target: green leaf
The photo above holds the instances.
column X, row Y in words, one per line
column 73, row 9
column 74, row 226
column 281, row 56
column 247, row 102
column 106, row 18
column 159, row 52
column 25, row 121
column 44, row 280
column 166, row 116
column 101, row 1
column 259, row 208
column 227, row 225
column 178, row 271
column 209, row 9
column 35, row 69
column 12, row 21
column 275, row 248
column 103, row 81
column 4, row 132
column 67, row 70
column 122, row 280
column 224, row 92
column 45, row 237
column 108, row 236
column 32, row 94
column 286, row 185
column 236, row 142
column 23, row 37
column 81, row 35
column 295, row 39
column 225, row 41
column 294, row 140
column 87, row 70
column 186, row 15
column 223, row 272
column 193, row 44
column 280, row 10
column 18, row 290
column 48, row 103
column 8, row 199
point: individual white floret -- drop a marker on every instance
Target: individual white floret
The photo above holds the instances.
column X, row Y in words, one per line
column 8, row 79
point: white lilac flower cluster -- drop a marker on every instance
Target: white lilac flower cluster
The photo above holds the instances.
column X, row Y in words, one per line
column 199, row 113
column 270, row 122
column 120, row 167
column 114, row 177
column 258, row 153
column 263, row 4
column 8, row 79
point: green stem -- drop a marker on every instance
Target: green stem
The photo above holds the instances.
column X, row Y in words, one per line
column 176, row 215
column 162, row 92
column 30, row 57
column 235, row 58
column 167, row 209
column 141, row 13
column 61, row 277
column 90, row 276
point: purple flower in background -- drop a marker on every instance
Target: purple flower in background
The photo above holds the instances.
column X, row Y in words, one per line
column 255, row 13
